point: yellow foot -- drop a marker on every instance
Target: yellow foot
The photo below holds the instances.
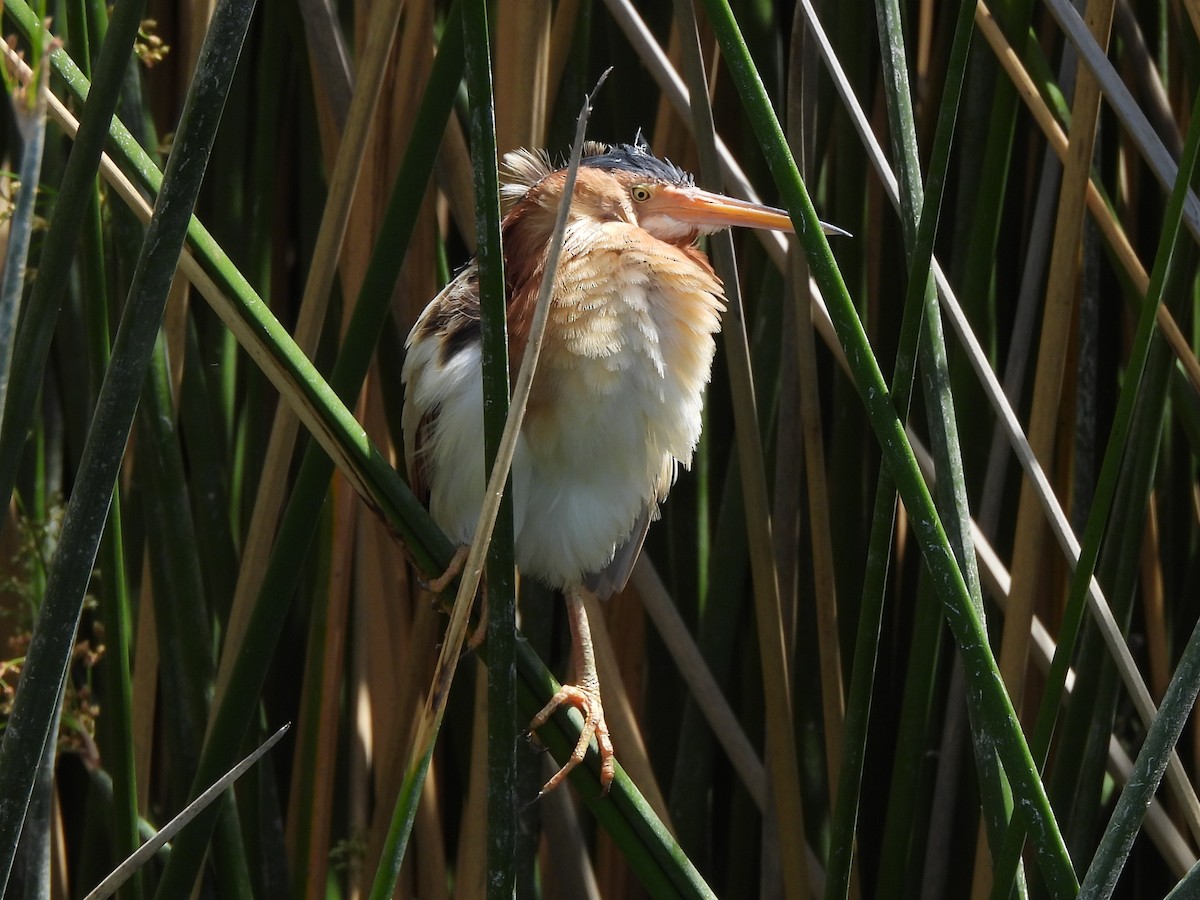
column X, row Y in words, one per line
column 587, row 701
column 439, row 584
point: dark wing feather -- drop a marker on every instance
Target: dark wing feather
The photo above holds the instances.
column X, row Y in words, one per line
column 452, row 318
column 448, row 325
column 418, row 474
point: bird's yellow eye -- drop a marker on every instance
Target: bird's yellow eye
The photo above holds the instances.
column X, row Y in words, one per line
column 641, row 193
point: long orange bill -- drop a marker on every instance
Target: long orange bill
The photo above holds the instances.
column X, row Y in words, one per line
column 716, row 210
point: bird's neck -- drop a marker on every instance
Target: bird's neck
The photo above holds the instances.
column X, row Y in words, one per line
column 526, row 235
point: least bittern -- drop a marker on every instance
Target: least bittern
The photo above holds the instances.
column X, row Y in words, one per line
column 616, row 402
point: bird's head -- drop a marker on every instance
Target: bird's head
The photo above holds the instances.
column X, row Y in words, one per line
column 628, row 183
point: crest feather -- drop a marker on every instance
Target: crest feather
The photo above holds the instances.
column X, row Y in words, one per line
column 597, row 148
column 520, row 170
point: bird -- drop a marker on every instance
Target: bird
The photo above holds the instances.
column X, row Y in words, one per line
column 616, row 402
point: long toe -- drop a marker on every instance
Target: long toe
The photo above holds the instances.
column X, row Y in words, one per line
column 588, row 703
column 439, row 584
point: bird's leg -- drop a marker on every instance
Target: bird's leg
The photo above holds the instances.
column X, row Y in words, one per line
column 453, row 570
column 584, row 694
column 479, row 633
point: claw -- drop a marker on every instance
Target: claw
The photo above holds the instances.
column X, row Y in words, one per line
column 584, row 695
column 587, row 701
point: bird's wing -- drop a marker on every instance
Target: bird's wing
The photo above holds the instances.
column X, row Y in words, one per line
column 449, row 324
column 418, row 469
column 613, row 577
